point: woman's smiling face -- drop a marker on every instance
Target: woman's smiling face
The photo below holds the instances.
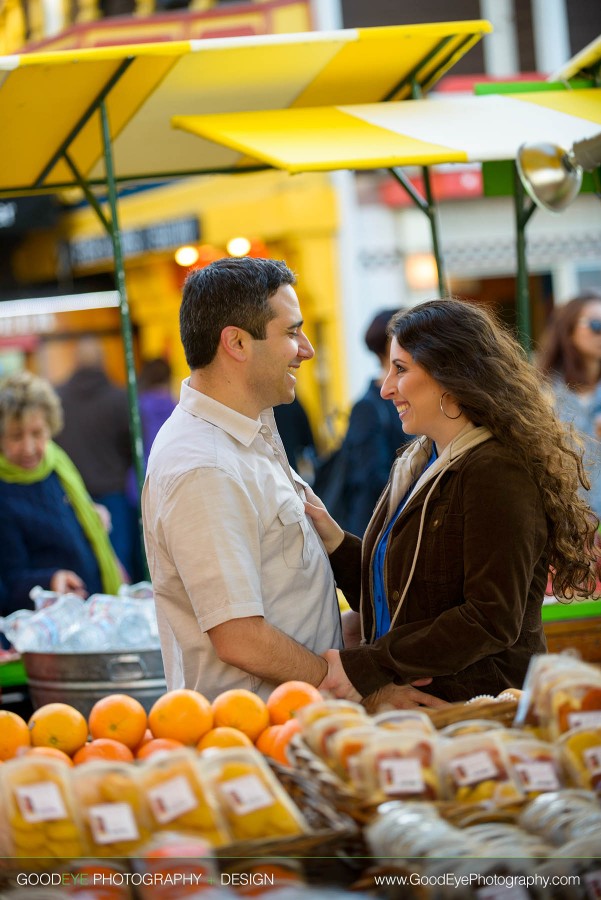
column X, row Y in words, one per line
column 417, row 398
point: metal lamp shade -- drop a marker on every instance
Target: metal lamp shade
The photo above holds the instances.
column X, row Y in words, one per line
column 549, row 174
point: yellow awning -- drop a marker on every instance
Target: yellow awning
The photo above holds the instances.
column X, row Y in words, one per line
column 46, row 98
column 581, row 64
column 441, row 130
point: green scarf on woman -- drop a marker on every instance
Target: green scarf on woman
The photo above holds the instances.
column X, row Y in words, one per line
column 56, row 460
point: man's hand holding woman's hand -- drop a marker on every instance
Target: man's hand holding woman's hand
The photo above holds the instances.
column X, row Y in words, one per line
column 327, row 528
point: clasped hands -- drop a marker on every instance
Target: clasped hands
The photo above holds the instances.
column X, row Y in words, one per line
column 398, row 696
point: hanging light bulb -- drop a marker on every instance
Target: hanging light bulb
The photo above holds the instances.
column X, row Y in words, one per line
column 186, row 255
column 238, row 246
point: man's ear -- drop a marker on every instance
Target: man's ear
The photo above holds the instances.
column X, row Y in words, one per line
column 234, row 341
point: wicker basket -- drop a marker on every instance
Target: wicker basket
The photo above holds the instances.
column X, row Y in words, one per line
column 502, row 711
column 331, row 829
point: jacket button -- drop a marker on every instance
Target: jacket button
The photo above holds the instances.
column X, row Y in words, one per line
column 395, row 595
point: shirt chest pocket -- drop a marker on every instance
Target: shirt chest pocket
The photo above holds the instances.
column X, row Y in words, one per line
column 291, row 516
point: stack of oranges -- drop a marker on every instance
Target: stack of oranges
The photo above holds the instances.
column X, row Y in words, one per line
column 119, row 729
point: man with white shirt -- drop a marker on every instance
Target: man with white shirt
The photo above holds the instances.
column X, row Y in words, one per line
column 244, row 591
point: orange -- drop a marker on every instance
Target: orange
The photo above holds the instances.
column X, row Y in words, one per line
column 287, row 732
column 224, row 736
column 181, row 715
column 119, row 717
column 243, row 710
column 157, row 745
column 52, row 752
column 286, row 698
column 58, row 725
column 103, row 748
column 264, row 742
column 14, row 733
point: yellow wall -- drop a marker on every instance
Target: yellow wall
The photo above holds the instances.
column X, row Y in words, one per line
column 297, row 217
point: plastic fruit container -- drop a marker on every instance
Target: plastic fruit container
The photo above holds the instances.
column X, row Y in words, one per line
column 536, row 764
column 39, row 811
column 112, row 806
column 476, row 769
column 250, row 797
column 580, row 751
column 397, row 766
column 177, row 800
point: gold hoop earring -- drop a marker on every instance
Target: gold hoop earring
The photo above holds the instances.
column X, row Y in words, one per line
column 442, row 410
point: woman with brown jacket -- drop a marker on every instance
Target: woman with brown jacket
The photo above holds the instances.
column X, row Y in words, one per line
column 449, row 580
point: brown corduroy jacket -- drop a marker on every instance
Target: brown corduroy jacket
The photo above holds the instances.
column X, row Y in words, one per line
column 471, row 618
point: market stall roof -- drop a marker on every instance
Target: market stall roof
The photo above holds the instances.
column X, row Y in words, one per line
column 47, row 100
column 415, row 132
column 583, row 63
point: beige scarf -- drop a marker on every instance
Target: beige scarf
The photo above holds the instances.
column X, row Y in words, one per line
column 408, row 469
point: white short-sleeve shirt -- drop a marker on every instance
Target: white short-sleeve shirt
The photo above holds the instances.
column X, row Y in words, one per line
column 227, row 537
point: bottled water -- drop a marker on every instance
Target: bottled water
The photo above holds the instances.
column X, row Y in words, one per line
column 42, row 598
column 114, row 623
column 11, row 625
column 48, row 628
column 142, row 590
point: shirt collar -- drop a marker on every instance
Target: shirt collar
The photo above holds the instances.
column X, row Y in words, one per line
column 240, row 427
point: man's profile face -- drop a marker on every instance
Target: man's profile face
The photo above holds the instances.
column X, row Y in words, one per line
column 275, row 361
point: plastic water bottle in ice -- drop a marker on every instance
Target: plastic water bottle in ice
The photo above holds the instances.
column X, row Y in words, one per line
column 42, row 598
column 113, row 623
column 11, row 625
column 142, row 590
column 48, row 628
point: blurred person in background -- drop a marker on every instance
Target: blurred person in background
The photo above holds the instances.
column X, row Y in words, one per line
column 450, row 577
column 373, row 436
column 570, row 355
column 297, row 437
column 156, row 404
column 96, row 436
column 51, row 533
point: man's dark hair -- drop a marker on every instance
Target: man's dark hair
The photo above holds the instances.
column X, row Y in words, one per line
column 377, row 338
column 228, row 292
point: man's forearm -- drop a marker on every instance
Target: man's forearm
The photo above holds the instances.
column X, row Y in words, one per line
column 256, row 647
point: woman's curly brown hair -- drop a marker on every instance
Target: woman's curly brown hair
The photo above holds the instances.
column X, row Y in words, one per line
column 471, row 355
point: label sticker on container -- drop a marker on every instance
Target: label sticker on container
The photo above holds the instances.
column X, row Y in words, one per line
column 400, row 776
column 592, row 759
column 586, row 719
column 171, row 799
column 246, row 794
column 473, row 767
column 538, row 775
column 41, row 802
column 111, row 822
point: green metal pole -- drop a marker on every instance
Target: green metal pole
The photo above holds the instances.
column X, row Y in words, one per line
column 432, row 214
column 522, row 215
column 126, row 330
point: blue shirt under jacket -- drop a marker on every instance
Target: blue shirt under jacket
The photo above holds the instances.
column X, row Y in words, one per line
column 39, row 534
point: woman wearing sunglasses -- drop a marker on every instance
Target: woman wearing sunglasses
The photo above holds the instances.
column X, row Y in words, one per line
column 571, row 357
column 449, row 580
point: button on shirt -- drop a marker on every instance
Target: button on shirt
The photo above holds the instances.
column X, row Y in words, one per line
column 227, row 537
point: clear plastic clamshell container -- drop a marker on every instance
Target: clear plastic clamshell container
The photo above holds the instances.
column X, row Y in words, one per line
column 319, row 734
column 402, row 719
column 251, row 799
column 39, row 811
column 580, row 751
column 177, row 799
column 112, row 806
column 537, row 765
column 397, row 766
column 476, row 769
